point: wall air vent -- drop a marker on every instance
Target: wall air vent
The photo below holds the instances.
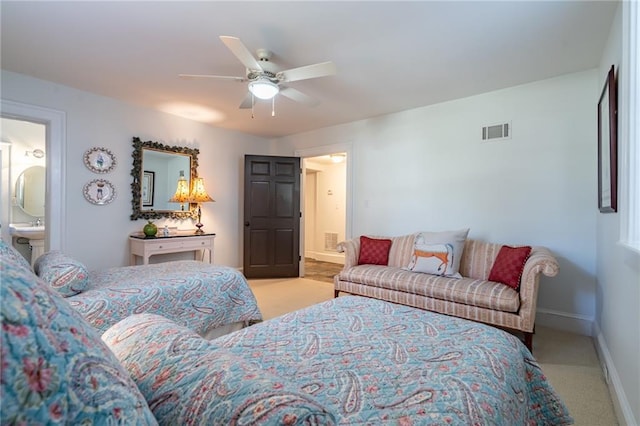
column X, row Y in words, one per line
column 331, row 241
column 496, row 132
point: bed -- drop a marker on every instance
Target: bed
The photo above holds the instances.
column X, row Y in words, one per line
column 350, row 360
column 209, row 299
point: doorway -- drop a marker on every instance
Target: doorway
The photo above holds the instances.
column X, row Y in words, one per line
column 23, row 152
column 326, row 209
column 55, row 149
column 273, row 200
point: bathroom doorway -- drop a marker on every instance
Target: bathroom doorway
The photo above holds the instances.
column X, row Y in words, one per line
column 23, row 179
column 55, row 149
column 326, row 214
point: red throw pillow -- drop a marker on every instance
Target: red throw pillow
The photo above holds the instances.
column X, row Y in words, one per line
column 374, row 251
column 508, row 266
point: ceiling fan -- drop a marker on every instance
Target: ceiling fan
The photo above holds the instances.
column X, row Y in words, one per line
column 265, row 81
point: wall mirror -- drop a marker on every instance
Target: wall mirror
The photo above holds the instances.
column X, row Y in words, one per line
column 156, row 171
column 30, row 190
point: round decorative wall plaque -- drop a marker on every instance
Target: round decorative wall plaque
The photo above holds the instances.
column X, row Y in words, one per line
column 99, row 192
column 99, row 160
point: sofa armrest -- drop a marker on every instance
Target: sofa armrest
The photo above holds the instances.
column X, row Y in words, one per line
column 540, row 261
column 351, row 250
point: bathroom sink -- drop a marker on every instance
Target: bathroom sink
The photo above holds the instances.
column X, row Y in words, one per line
column 27, row 231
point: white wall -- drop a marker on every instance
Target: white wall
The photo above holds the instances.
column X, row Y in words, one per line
column 618, row 276
column 97, row 235
column 427, row 169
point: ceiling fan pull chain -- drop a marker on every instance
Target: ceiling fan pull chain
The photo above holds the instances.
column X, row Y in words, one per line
column 252, row 104
column 273, row 106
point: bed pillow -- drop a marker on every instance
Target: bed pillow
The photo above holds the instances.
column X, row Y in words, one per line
column 55, row 368
column 68, row 276
column 374, row 251
column 509, row 264
column 189, row 380
column 438, row 253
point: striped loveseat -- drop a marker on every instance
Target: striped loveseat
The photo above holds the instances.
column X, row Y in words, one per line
column 472, row 297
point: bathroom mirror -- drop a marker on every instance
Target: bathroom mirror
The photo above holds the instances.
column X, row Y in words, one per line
column 30, row 190
column 157, row 168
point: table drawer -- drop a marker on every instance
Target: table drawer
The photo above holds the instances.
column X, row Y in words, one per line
column 176, row 245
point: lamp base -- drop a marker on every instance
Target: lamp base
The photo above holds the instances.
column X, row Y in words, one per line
column 199, row 225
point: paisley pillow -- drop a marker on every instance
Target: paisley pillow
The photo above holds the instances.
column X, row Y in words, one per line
column 61, row 272
column 55, row 368
column 189, row 380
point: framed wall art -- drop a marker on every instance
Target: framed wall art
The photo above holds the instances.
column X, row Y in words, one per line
column 147, row 188
column 608, row 146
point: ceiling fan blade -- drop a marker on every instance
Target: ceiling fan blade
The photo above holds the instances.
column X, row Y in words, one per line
column 227, row 77
column 247, row 102
column 241, row 52
column 309, row 71
column 298, row 96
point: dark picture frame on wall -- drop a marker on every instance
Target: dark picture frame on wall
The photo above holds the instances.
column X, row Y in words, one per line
column 608, row 146
column 148, row 178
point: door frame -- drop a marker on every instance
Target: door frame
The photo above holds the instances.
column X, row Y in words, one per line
column 56, row 143
column 317, row 151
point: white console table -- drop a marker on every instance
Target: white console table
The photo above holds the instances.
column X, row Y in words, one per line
column 181, row 241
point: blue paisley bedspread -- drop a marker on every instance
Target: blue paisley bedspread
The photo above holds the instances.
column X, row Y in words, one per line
column 196, row 295
column 373, row 362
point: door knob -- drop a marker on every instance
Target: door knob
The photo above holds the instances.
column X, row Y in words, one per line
column 246, row 224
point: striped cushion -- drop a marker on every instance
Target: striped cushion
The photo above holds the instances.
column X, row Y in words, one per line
column 478, row 258
column 468, row 291
column 401, row 250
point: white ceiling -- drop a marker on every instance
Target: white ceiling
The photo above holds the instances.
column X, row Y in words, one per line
column 390, row 56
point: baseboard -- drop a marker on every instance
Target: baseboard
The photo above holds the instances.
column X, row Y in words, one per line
column 621, row 404
column 326, row 257
column 565, row 321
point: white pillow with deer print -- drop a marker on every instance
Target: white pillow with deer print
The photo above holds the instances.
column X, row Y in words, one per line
column 438, row 253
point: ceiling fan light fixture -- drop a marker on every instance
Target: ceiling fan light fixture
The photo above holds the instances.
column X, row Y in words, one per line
column 263, row 88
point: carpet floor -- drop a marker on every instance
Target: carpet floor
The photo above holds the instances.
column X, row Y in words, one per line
column 568, row 360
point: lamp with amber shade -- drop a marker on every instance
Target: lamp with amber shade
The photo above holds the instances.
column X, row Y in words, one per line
column 199, row 195
column 182, row 192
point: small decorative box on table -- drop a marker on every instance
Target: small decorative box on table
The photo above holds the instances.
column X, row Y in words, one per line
column 177, row 242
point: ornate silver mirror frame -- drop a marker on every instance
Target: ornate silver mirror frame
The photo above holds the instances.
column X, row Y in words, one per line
column 139, row 147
